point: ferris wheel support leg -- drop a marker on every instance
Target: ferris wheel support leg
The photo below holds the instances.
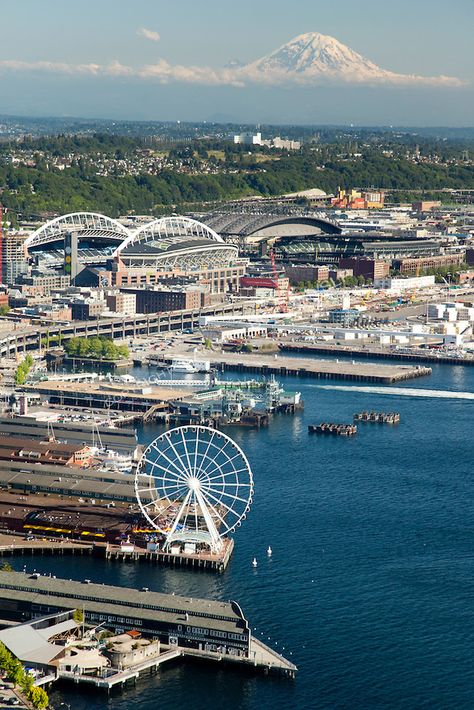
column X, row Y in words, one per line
column 178, row 518
column 216, row 540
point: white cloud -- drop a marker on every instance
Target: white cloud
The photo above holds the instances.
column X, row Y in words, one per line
column 49, row 67
column 148, row 34
column 166, row 73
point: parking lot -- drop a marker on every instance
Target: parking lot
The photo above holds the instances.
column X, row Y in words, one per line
column 8, row 697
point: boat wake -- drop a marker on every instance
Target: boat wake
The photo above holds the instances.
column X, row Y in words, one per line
column 400, row 391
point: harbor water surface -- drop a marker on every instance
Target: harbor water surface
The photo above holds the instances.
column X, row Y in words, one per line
column 369, row 589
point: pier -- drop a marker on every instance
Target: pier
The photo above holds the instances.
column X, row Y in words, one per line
column 105, row 395
column 279, row 365
column 377, row 353
column 201, row 628
column 113, row 677
column 198, row 560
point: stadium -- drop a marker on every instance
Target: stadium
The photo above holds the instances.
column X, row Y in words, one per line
column 111, row 250
column 181, row 244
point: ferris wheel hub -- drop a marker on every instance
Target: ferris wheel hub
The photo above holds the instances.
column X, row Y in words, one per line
column 194, row 484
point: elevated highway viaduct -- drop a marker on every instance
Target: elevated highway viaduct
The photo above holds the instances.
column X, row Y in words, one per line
column 123, row 328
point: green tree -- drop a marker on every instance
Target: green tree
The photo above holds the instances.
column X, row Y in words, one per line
column 16, row 672
column 39, row 698
column 78, row 616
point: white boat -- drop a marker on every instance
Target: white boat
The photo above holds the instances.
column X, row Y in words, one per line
column 188, row 366
column 269, row 551
column 254, row 562
column 110, row 459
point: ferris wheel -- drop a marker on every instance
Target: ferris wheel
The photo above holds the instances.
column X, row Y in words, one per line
column 194, row 485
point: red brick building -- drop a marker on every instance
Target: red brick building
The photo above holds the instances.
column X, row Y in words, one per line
column 368, row 268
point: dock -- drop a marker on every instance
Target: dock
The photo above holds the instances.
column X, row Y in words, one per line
column 375, row 352
column 104, row 395
column 282, row 366
column 113, row 677
column 199, row 560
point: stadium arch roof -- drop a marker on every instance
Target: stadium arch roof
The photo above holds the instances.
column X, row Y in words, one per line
column 166, row 231
column 261, row 227
column 173, row 243
column 90, row 225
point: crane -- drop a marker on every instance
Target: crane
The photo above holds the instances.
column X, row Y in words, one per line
column 282, row 298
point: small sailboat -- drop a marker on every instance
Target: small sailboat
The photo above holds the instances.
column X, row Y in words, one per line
column 254, row 562
column 269, row 551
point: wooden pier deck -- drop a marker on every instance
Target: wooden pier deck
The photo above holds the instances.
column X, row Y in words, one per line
column 261, row 657
column 11, row 544
column 377, row 352
column 282, row 365
column 114, row 677
column 199, row 560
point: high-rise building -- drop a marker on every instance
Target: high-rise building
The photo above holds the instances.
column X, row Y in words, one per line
column 14, row 260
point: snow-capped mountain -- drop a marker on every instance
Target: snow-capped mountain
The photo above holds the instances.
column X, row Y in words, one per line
column 312, row 57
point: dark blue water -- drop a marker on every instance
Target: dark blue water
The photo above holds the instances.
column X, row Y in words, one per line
column 369, row 590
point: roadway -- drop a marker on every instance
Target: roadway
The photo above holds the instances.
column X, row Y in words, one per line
column 118, row 328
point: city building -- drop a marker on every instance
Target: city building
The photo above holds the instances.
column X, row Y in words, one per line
column 260, row 280
column 412, row 266
column 339, row 274
column 157, row 299
column 344, row 316
column 425, row 205
column 470, row 256
column 121, row 302
column 368, row 268
column 359, row 200
column 405, row 284
column 13, row 448
column 299, row 273
column 226, row 333
column 220, row 280
column 87, row 309
column 248, row 139
column 276, row 142
column 42, row 283
column 14, row 260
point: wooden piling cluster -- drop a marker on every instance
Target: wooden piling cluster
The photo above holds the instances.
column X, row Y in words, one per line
column 377, row 417
column 333, row 428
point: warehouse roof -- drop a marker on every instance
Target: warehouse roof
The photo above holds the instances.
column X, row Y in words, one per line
column 111, row 600
column 30, row 643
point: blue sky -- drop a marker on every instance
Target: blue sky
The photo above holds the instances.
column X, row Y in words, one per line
column 153, row 59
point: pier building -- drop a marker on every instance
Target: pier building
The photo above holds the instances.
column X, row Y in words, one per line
column 121, row 439
column 204, row 628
